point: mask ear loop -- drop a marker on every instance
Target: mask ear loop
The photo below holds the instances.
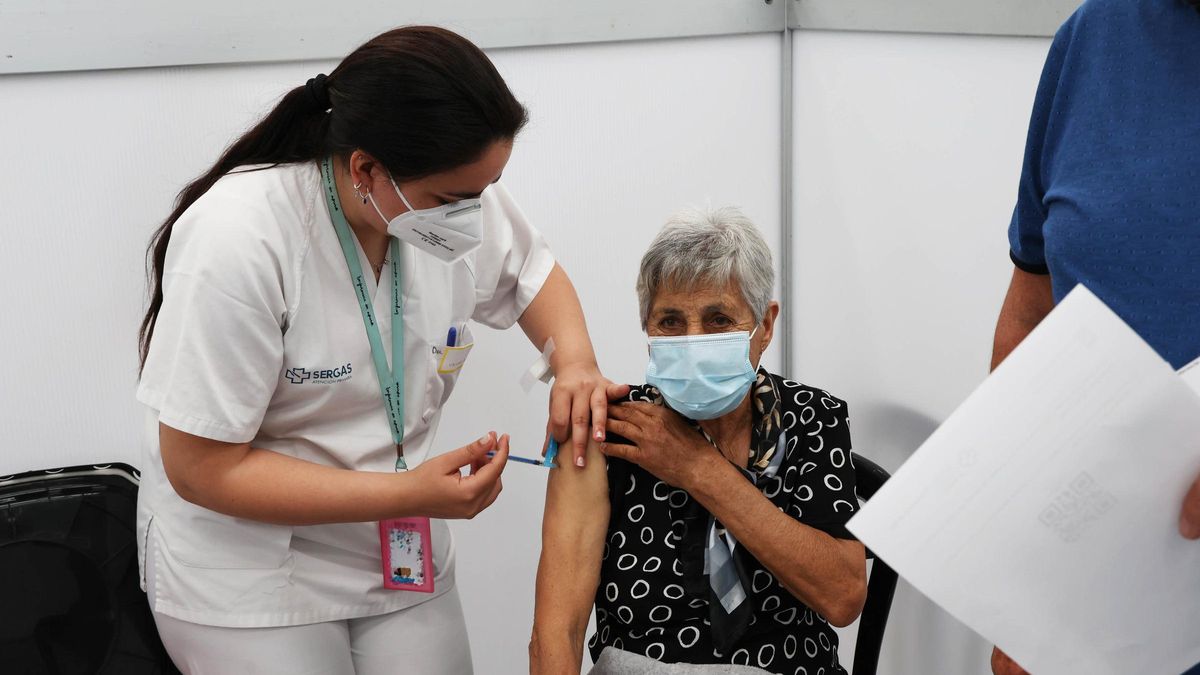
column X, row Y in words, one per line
column 398, row 192
column 371, row 198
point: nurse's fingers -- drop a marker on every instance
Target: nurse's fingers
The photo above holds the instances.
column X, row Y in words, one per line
column 455, row 460
column 490, row 472
column 498, row 486
column 599, row 412
column 616, row 391
column 546, row 440
column 581, row 411
column 480, row 453
column 560, row 414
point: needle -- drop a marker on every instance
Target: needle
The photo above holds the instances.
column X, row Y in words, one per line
column 548, row 462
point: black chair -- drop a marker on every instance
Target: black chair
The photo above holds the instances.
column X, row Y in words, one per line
column 881, row 587
column 69, row 581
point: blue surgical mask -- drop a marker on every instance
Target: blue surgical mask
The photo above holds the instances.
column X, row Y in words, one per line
column 702, row 377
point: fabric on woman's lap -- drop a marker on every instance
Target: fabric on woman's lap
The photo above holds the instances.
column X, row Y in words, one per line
column 619, row 662
column 654, row 598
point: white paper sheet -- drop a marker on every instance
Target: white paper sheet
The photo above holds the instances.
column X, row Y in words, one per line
column 1044, row 512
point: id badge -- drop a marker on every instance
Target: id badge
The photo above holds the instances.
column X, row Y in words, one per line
column 453, row 358
column 407, row 554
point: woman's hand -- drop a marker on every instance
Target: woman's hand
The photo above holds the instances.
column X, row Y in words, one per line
column 443, row 492
column 580, row 393
column 1002, row 665
column 664, row 443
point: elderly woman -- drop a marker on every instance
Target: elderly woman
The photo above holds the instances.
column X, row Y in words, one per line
column 710, row 527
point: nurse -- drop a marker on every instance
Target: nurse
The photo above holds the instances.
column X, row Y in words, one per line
column 311, row 300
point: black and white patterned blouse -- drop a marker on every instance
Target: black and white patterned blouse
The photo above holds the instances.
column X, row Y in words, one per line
column 653, row 597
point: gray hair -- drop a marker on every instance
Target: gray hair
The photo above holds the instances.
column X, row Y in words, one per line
column 708, row 247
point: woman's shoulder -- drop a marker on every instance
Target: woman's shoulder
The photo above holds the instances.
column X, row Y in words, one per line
column 253, row 208
column 797, row 396
column 280, row 192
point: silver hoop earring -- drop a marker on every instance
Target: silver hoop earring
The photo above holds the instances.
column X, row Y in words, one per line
column 360, row 195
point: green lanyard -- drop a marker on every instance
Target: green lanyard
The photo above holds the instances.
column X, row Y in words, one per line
column 391, row 381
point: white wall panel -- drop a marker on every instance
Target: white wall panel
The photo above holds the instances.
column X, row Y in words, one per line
column 56, row 35
column 981, row 17
column 621, row 135
column 907, row 153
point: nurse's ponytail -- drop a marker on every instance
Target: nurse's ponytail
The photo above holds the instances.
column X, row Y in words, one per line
column 421, row 100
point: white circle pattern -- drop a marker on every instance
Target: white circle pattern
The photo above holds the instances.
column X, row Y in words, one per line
column 666, row 491
column 693, row 633
column 640, row 510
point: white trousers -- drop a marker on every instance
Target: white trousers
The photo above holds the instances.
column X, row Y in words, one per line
column 427, row 639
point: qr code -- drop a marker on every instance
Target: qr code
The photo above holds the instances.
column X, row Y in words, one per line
column 1076, row 508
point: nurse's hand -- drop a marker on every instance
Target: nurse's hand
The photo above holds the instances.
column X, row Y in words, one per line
column 442, row 491
column 580, row 393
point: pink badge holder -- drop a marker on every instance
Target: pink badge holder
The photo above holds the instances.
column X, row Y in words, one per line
column 407, row 554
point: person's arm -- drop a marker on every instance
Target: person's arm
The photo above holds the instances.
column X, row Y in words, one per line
column 825, row 573
column 258, row 484
column 1189, row 519
column 580, row 393
column 1028, row 301
column 573, row 528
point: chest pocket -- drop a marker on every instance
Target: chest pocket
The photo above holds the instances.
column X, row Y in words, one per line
column 446, row 362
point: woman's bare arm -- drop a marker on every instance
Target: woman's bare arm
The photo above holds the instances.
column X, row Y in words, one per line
column 573, row 528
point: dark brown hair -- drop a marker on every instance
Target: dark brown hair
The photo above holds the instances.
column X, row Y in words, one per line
column 420, row 99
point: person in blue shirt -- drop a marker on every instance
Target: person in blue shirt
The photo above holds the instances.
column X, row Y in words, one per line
column 1110, row 190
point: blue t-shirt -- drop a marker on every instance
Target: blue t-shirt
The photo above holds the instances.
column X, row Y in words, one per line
column 1110, row 190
